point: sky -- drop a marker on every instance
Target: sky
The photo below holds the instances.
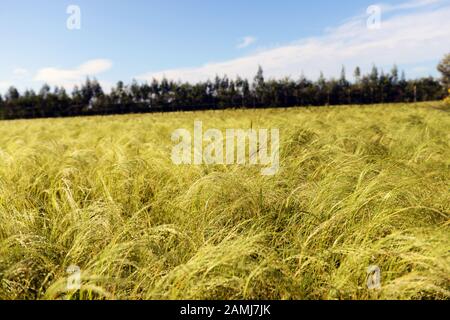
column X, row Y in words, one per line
column 47, row 41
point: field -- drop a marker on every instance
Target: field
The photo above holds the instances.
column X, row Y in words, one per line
column 358, row 186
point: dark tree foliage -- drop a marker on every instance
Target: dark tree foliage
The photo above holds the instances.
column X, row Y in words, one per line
column 221, row 93
column 444, row 69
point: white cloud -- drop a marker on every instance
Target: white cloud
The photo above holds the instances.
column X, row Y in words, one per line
column 414, row 4
column 20, row 72
column 17, row 74
column 408, row 38
column 4, row 85
column 245, row 42
column 70, row 77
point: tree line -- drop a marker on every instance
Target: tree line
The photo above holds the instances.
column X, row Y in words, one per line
column 220, row 93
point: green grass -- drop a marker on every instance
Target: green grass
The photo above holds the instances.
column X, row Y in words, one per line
column 358, row 186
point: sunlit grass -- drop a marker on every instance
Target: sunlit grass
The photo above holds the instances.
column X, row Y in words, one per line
column 358, row 186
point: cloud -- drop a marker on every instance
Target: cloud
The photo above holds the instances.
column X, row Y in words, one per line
column 20, row 72
column 407, row 38
column 245, row 42
column 414, row 4
column 4, row 85
column 17, row 74
column 71, row 77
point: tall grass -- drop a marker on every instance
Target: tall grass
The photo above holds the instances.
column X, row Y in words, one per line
column 358, row 186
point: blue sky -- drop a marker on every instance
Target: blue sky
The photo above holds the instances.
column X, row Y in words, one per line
column 192, row 40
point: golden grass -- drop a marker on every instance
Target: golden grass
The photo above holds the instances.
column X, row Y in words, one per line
column 358, row 186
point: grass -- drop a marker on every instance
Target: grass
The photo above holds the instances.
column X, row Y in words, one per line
column 358, row 186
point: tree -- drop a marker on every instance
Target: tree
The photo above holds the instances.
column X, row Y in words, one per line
column 357, row 74
column 259, row 78
column 322, row 93
column 2, row 107
column 63, row 102
column 136, row 93
column 45, row 91
column 374, row 78
column 223, row 92
column 343, row 86
column 343, row 78
column 374, row 74
column 97, row 89
column 12, row 94
column 394, row 74
column 259, row 84
column 444, row 69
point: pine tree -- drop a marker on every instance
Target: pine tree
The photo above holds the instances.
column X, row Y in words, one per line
column 374, row 74
column 259, row 85
column 394, row 74
column 343, row 78
column 12, row 94
column 357, row 75
column 259, row 78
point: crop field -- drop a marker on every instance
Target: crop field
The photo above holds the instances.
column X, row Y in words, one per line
column 357, row 187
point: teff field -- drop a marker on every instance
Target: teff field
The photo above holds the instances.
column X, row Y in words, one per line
column 357, row 187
